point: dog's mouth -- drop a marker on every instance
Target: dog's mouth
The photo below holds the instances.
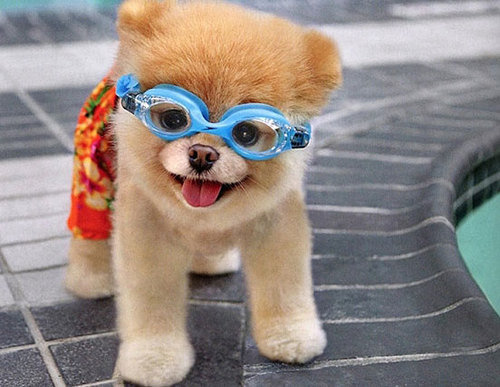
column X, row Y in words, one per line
column 202, row 193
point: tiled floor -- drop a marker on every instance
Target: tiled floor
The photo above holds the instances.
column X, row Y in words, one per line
column 391, row 150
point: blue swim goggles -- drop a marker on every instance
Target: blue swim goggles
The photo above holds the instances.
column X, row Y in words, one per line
column 255, row 131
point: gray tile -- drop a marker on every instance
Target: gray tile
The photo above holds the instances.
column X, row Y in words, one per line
column 38, row 255
column 460, row 330
column 389, row 198
column 361, row 172
column 215, row 333
column 6, row 298
column 67, row 100
column 56, row 26
column 33, row 206
column 11, row 105
column 408, row 218
column 413, row 74
column 396, row 301
column 23, row 368
column 42, row 287
column 363, row 84
column 366, row 245
column 78, row 318
column 27, row 230
column 86, row 361
column 465, row 370
column 487, row 105
column 361, row 271
column 14, row 331
column 228, row 287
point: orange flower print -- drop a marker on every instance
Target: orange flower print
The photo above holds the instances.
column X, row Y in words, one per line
column 92, row 191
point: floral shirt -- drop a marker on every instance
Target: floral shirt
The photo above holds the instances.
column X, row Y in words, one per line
column 92, row 190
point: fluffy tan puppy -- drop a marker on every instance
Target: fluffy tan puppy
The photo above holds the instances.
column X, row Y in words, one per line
column 226, row 55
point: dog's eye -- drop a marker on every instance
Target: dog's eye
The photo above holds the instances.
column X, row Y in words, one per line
column 173, row 119
column 246, row 134
column 169, row 117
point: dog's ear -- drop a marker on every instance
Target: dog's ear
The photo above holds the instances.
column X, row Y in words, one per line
column 139, row 17
column 323, row 60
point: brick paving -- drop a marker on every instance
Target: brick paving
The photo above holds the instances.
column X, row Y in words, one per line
column 402, row 152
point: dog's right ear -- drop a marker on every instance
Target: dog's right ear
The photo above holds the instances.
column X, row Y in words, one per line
column 139, row 17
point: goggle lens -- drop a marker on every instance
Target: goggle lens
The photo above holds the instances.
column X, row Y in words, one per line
column 169, row 117
column 256, row 135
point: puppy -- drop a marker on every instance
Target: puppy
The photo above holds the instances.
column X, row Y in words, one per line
column 200, row 199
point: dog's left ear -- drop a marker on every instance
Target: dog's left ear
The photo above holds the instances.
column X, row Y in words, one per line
column 323, row 60
column 139, row 17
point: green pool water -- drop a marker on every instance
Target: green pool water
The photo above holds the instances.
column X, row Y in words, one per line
column 479, row 243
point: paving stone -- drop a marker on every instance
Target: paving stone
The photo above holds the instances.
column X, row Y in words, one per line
column 365, row 84
column 392, row 148
column 11, row 106
column 400, row 300
column 413, row 136
column 34, row 206
column 488, row 66
column 14, row 330
column 216, row 336
column 38, row 255
column 86, row 361
column 383, row 173
column 405, row 269
column 391, row 197
column 464, row 327
column 215, row 333
column 486, row 105
column 389, row 221
column 6, row 298
column 322, row 11
column 366, row 245
column 32, row 149
column 62, row 100
column 23, row 368
column 78, row 318
column 32, row 229
column 37, row 176
column 42, row 287
column 56, row 27
column 228, row 287
column 453, row 371
column 414, row 74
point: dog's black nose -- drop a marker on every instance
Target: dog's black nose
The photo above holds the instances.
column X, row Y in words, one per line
column 202, row 157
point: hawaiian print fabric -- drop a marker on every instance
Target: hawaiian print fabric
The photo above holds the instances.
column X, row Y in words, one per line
column 92, row 191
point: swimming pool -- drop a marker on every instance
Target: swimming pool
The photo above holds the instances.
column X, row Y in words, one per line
column 478, row 236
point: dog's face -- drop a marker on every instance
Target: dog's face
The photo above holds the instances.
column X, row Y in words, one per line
column 226, row 56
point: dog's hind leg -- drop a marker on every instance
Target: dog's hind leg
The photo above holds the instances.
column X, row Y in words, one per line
column 89, row 273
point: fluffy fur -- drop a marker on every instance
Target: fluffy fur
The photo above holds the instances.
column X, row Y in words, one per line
column 227, row 56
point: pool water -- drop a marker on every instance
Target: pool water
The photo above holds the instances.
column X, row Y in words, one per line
column 478, row 237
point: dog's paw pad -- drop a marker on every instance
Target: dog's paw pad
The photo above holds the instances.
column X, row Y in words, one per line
column 158, row 361
column 296, row 342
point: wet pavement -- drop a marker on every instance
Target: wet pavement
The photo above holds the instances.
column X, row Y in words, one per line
column 407, row 147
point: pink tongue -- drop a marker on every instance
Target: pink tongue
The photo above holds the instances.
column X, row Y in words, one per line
column 200, row 193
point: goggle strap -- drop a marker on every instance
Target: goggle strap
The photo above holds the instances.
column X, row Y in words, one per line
column 129, row 102
column 300, row 138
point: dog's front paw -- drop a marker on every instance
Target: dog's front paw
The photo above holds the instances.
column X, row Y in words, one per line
column 290, row 340
column 155, row 361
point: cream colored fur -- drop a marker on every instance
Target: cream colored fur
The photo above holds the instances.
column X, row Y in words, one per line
column 226, row 55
